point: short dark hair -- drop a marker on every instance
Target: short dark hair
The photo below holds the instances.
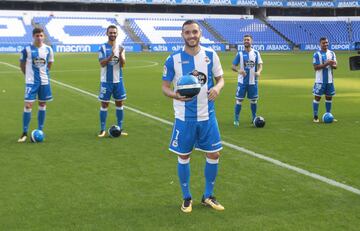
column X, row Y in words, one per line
column 37, row 30
column 111, row 27
column 323, row 38
column 248, row 35
column 189, row 22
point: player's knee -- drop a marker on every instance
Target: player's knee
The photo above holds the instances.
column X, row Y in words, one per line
column 104, row 105
column 328, row 98
column 253, row 101
column 28, row 105
column 213, row 156
column 119, row 103
column 317, row 98
column 239, row 101
column 182, row 158
column 42, row 104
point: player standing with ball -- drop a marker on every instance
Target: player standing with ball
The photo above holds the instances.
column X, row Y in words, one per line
column 195, row 121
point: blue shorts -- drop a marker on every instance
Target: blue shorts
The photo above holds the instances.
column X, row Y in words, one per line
column 117, row 90
column 203, row 135
column 42, row 91
column 250, row 90
column 324, row 88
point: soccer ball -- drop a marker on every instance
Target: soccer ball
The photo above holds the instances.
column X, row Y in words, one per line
column 327, row 118
column 37, row 136
column 259, row 122
column 188, row 85
column 114, row 131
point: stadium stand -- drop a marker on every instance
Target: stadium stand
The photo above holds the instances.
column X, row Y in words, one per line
column 235, row 29
column 78, row 30
column 302, row 32
column 355, row 27
column 165, row 29
column 162, row 31
column 14, row 30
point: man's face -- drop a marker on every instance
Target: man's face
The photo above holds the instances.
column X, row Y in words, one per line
column 38, row 38
column 247, row 42
column 112, row 34
column 324, row 44
column 191, row 34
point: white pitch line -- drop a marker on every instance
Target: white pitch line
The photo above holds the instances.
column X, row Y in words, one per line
column 227, row 144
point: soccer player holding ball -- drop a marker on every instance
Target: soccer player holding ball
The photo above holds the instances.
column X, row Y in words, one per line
column 35, row 63
column 195, row 121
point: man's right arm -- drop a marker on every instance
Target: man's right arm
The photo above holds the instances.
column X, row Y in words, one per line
column 322, row 66
column 22, row 67
column 168, row 76
column 103, row 60
column 235, row 64
column 318, row 65
column 23, row 57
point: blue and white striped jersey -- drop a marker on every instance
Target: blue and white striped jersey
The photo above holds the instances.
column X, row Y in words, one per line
column 205, row 65
column 37, row 59
column 249, row 62
column 324, row 75
column 112, row 72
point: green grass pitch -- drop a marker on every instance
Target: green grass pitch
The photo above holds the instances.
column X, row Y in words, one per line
column 76, row 181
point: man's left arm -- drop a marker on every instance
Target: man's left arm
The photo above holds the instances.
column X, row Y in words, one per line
column 259, row 65
column 215, row 91
column 333, row 64
column 51, row 58
column 218, row 73
column 122, row 56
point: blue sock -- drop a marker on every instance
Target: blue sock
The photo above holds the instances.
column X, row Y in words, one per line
column 253, row 105
column 103, row 115
column 237, row 111
column 328, row 104
column 316, row 107
column 26, row 119
column 184, row 176
column 211, row 170
column 41, row 117
column 120, row 116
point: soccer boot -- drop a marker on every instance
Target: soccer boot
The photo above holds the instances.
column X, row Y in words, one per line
column 22, row 138
column 212, row 202
column 186, row 206
column 102, row 133
column 316, row 119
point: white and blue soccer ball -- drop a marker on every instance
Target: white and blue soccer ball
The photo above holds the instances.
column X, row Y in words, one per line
column 188, row 85
column 327, row 118
column 114, row 131
column 37, row 136
column 259, row 122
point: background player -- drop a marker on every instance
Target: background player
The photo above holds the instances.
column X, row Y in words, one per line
column 112, row 61
column 195, row 121
column 35, row 64
column 250, row 70
column 324, row 62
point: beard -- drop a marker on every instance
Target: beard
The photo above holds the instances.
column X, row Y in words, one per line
column 197, row 41
column 247, row 45
column 112, row 38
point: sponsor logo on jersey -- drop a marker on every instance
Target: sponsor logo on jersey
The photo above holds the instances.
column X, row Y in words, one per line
column 38, row 62
column 201, row 77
